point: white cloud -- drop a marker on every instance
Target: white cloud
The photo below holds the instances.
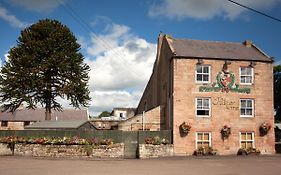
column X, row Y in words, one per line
column 106, row 100
column 11, row 19
column 38, row 5
column 6, row 56
column 121, row 69
column 125, row 66
column 205, row 9
column 101, row 43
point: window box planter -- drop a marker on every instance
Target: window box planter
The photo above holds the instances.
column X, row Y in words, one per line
column 205, row 151
column 248, row 151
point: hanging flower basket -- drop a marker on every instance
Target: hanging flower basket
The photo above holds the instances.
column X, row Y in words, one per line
column 185, row 128
column 264, row 128
column 225, row 132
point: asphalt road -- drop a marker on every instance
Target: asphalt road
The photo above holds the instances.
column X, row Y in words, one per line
column 230, row 165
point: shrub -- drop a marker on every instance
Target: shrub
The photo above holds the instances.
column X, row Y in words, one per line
column 156, row 140
column 56, row 140
column 248, row 151
column 205, row 151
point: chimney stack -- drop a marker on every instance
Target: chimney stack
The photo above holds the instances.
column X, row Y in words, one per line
column 248, row 43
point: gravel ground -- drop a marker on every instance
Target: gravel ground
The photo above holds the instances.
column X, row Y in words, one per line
column 219, row 165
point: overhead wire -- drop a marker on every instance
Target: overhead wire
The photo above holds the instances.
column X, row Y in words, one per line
column 88, row 28
column 254, row 10
column 259, row 12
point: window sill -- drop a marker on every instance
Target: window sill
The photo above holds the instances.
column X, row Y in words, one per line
column 202, row 82
column 248, row 84
column 203, row 116
column 247, row 116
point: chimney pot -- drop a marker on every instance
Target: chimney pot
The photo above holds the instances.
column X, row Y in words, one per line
column 248, row 43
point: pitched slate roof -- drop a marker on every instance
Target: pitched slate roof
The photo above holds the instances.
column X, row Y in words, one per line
column 216, row 50
column 39, row 115
column 67, row 124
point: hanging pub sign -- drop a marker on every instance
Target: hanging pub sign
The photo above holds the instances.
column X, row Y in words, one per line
column 225, row 82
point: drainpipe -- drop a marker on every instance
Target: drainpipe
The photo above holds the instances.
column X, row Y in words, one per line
column 143, row 120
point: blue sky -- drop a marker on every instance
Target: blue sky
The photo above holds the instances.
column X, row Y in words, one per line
column 118, row 38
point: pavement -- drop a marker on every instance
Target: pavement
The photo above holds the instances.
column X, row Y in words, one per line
column 217, row 165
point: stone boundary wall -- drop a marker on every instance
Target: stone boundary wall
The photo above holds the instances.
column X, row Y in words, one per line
column 155, row 151
column 65, row 151
column 4, row 150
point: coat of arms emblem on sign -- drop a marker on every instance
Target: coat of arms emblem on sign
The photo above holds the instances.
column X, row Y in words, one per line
column 225, row 79
column 225, row 82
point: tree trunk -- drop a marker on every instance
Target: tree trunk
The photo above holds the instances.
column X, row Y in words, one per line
column 48, row 115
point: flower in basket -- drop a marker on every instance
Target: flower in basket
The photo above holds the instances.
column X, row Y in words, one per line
column 264, row 128
column 225, row 132
column 185, row 128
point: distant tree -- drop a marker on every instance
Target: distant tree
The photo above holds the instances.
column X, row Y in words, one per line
column 45, row 64
column 104, row 114
column 277, row 92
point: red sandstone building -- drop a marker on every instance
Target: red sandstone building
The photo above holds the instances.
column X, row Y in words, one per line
column 209, row 86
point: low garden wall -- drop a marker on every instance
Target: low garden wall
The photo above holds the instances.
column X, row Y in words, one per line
column 155, row 147
column 155, row 151
column 70, row 151
column 66, row 151
column 61, row 147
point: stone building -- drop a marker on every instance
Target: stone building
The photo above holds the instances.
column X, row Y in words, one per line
column 123, row 113
column 78, row 125
column 210, row 86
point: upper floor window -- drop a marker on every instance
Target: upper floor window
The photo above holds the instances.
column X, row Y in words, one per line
column 246, row 75
column 121, row 115
column 203, row 73
column 203, row 107
column 246, row 107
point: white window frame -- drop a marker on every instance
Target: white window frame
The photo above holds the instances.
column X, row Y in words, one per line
column 253, row 107
column 252, row 75
column 202, row 73
column 253, row 137
column 197, row 109
column 210, row 138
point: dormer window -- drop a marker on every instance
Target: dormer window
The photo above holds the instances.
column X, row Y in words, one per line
column 203, row 73
column 246, row 75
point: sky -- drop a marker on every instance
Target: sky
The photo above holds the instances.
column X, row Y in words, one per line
column 119, row 38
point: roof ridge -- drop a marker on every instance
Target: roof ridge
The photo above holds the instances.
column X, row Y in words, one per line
column 229, row 42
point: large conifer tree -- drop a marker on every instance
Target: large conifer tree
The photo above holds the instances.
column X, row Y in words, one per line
column 44, row 65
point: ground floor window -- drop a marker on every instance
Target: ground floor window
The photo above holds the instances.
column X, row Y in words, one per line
column 247, row 140
column 203, row 139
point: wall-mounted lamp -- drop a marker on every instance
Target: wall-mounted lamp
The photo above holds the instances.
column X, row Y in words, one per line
column 225, row 66
column 227, row 62
column 252, row 64
column 200, row 61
